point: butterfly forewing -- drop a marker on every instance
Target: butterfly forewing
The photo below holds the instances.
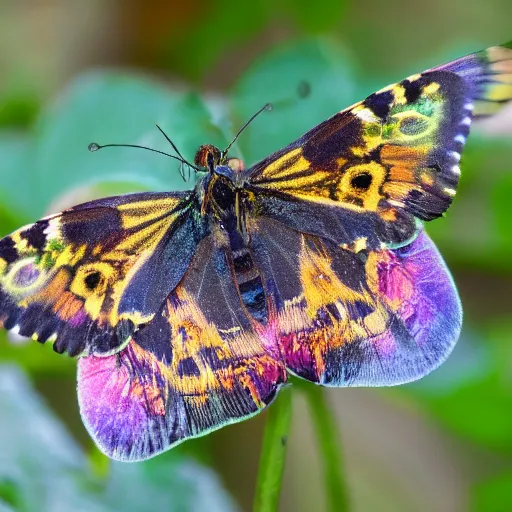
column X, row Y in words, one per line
column 389, row 158
column 489, row 75
column 368, row 300
column 68, row 278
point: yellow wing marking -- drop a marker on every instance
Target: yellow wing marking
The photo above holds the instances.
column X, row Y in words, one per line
column 304, row 185
column 286, row 165
column 370, row 196
column 148, row 236
column 320, row 284
column 193, row 334
column 70, row 256
column 500, row 88
column 141, row 212
column 321, row 288
column 11, row 280
column 399, row 95
column 431, row 88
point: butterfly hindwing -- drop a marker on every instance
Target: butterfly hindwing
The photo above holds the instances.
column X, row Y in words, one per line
column 375, row 318
column 67, row 278
column 201, row 363
column 395, row 156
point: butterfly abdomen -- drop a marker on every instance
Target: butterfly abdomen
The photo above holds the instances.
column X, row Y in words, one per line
column 250, row 285
column 246, row 273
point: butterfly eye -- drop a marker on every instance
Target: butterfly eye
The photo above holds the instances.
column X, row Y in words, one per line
column 362, row 181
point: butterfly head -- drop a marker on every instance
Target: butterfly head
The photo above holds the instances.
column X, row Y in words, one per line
column 208, row 157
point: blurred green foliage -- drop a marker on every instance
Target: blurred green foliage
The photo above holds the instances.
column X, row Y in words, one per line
column 47, row 167
column 493, row 494
column 48, row 471
column 221, row 25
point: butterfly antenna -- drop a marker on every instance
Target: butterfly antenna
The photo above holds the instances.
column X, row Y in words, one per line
column 267, row 106
column 174, row 147
column 94, row 146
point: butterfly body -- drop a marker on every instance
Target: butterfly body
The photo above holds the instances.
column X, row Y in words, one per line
column 189, row 309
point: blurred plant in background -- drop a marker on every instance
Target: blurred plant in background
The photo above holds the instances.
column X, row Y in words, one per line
column 72, row 73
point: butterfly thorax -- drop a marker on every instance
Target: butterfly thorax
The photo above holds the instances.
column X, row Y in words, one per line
column 221, row 196
column 221, row 190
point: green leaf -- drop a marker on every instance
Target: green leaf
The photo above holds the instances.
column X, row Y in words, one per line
column 501, row 195
column 15, row 198
column 20, row 99
column 10, row 219
column 113, row 108
column 476, row 231
column 469, row 393
column 164, row 483
column 18, row 108
column 35, row 358
column 319, row 67
column 42, row 468
column 4, row 507
column 9, row 494
column 493, row 494
column 218, row 27
column 38, row 460
column 325, row 15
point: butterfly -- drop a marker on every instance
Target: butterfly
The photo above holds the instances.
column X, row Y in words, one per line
column 188, row 310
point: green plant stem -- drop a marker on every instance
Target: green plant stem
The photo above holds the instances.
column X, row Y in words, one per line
column 99, row 463
column 273, row 453
column 330, row 450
